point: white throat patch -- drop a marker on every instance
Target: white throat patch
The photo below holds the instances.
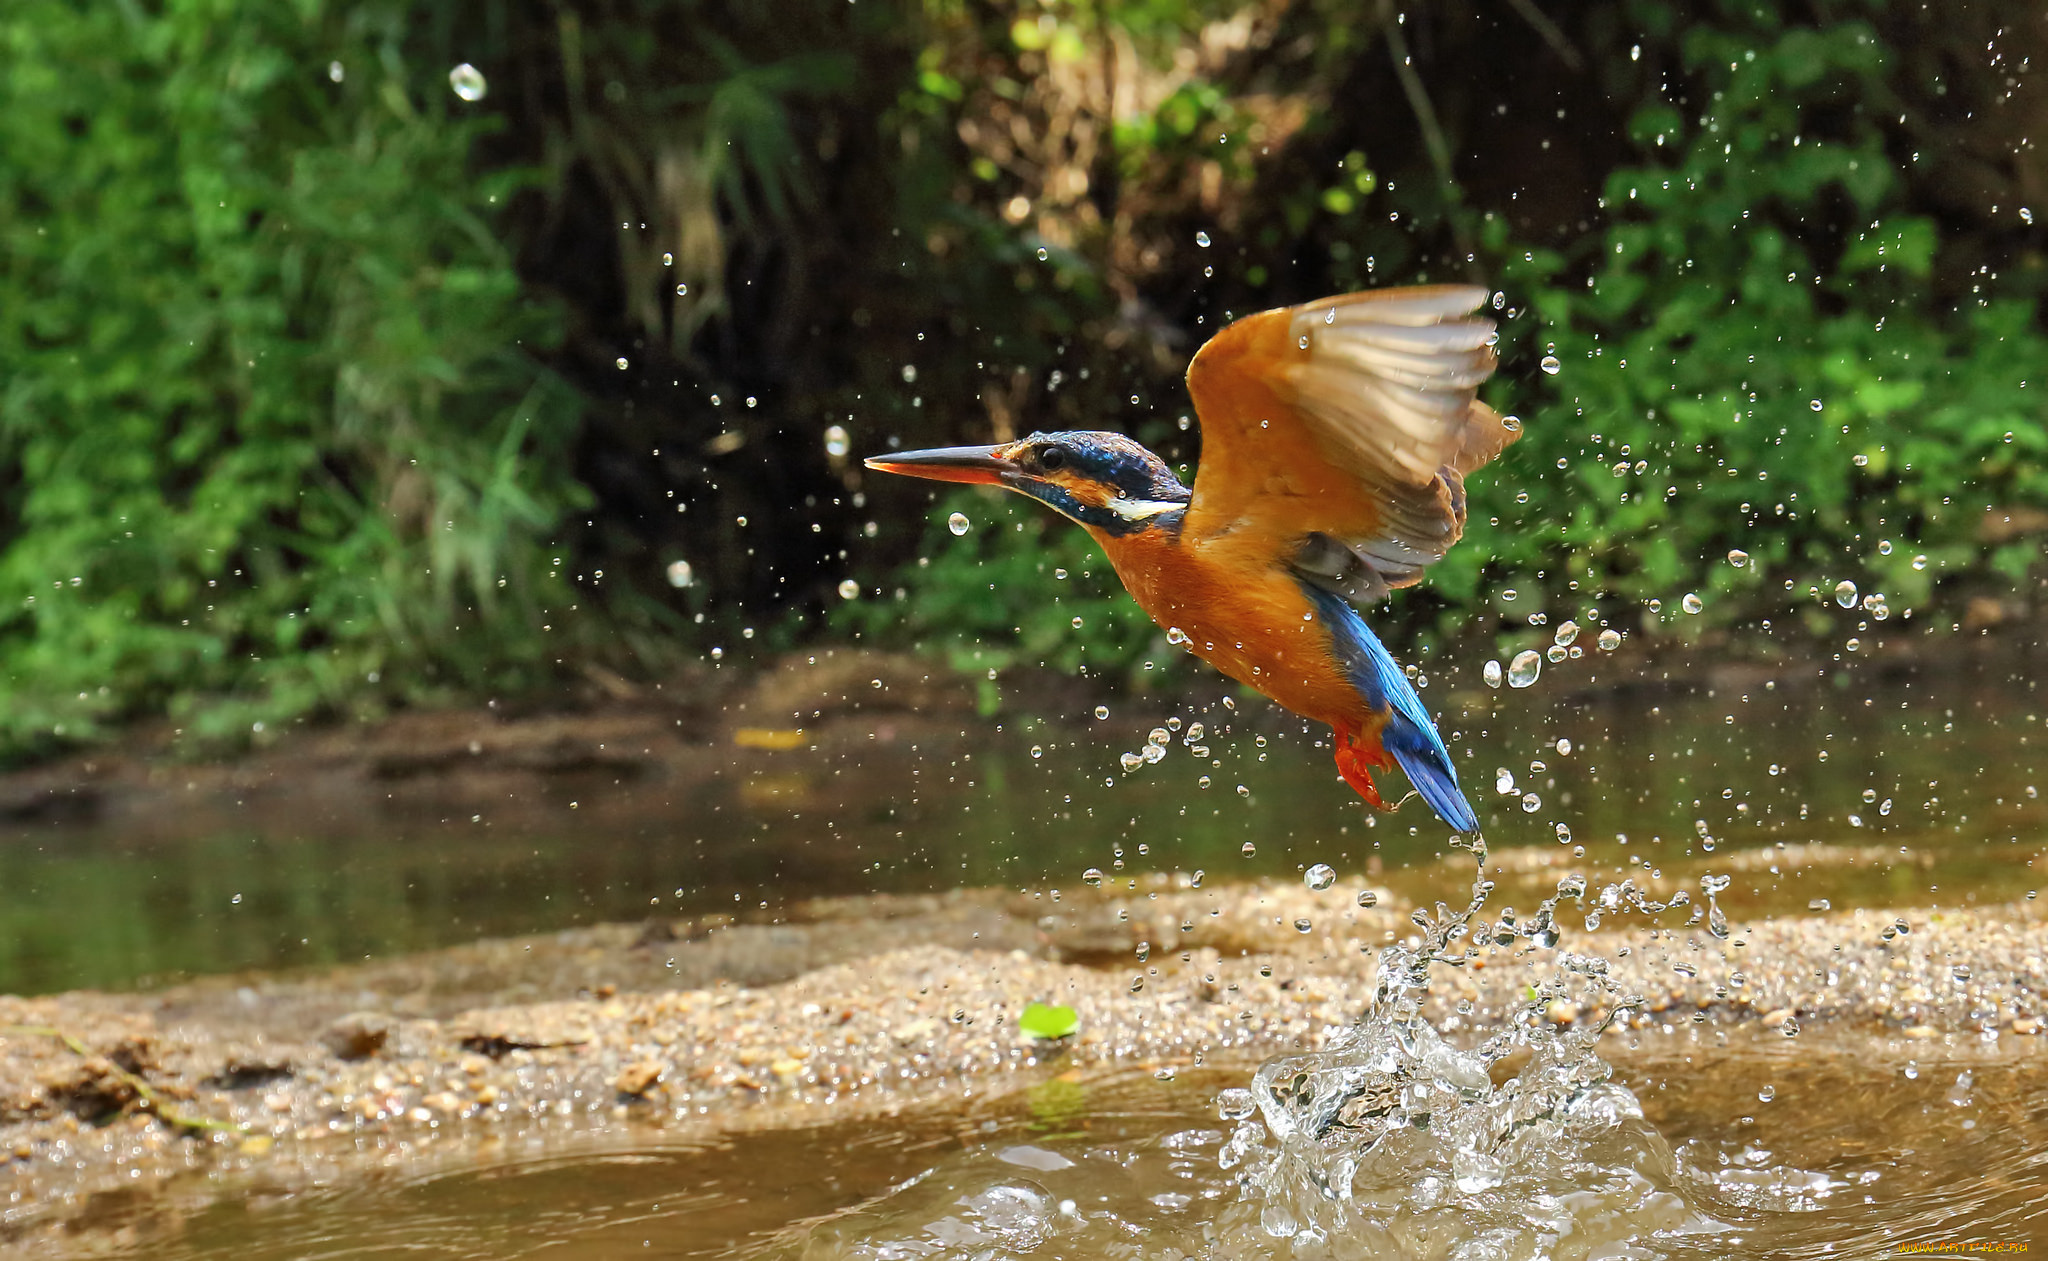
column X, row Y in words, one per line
column 1141, row 509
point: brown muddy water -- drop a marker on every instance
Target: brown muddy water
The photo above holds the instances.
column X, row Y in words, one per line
column 1805, row 1151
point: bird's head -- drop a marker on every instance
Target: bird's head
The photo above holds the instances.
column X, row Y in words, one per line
column 1099, row 479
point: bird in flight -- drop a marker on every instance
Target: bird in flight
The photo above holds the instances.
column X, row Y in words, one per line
column 1336, row 440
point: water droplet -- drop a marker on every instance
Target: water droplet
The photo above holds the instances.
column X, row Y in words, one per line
column 1564, row 835
column 1366, row 897
column 468, row 82
column 1304, row 924
column 1790, row 1028
column 849, row 589
column 1550, row 365
column 2026, row 214
column 1101, row 712
column 1037, row 751
column 1235, row 1104
column 1202, row 239
column 1319, row 877
column 667, row 259
column 1860, row 460
column 957, row 523
column 1531, row 803
column 1553, row 654
column 1815, row 404
column 1504, row 781
column 1767, row 1094
column 1130, row 761
column 1609, row 640
column 1522, row 671
column 679, row 574
column 1242, row 791
column 1248, row 848
column 1203, row 782
column 1092, row 877
column 336, row 71
column 1960, row 972
column 1153, row 753
column 1509, row 596
column 1158, row 735
column 1077, row 623
column 1884, row 547
column 682, row 291
column 621, row 361
column 1566, row 633
column 1845, row 594
column 1563, row 746
column 837, row 443
column 1691, row 603
column 1919, row 562
column 1737, row 557
column 1043, row 253
column 1491, row 673
column 909, row 373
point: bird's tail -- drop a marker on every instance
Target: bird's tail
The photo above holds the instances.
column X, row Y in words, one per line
column 1429, row 768
column 1409, row 735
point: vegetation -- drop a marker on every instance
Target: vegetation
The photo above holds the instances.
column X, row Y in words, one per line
column 273, row 428
column 323, row 387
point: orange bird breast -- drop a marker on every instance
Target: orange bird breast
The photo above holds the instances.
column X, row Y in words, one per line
column 1251, row 622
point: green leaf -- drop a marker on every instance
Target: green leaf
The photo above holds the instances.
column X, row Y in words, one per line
column 1042, row 1022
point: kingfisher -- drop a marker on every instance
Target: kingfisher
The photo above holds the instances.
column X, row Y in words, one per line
column 1336, row 439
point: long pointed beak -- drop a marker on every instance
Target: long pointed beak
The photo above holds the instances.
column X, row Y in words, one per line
column 975, row 465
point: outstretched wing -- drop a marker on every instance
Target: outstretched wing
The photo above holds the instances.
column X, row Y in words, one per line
column 1339, row 433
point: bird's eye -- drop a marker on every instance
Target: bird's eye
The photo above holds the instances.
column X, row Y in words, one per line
column 1050, row 458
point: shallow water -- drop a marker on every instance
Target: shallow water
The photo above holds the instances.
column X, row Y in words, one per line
column 1679, row 783
column 1853, row 1154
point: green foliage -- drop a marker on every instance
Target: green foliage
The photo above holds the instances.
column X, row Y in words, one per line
column 1043, row 1023
column 283, row 429
column 269, row 430
column 1751, row 360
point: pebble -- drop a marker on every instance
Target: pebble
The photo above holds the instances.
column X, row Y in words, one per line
column 639, row 1077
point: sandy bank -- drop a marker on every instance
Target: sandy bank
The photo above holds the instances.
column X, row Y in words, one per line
column 868, row 1007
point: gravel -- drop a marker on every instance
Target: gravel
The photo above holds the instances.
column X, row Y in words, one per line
column 863, row 1008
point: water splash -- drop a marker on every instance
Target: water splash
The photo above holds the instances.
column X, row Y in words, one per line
column 1392, row 1141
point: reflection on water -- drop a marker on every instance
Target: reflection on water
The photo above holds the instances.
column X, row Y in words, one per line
column 1938, row 770
column 1796, row 1150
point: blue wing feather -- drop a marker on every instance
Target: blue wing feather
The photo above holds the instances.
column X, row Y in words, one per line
column 1409, row 735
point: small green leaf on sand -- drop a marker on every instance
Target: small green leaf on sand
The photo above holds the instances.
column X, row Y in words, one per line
column 1048, row 1024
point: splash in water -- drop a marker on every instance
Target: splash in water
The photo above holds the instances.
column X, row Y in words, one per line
column 1393, row 1142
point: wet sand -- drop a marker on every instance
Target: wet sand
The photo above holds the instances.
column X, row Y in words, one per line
column 119, row 1113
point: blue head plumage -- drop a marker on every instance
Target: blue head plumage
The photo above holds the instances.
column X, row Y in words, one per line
column 1099, row 479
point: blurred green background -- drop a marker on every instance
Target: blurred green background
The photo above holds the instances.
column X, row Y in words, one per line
column 334, row 378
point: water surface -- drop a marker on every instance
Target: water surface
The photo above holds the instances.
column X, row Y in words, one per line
column 1850, row 1155
column 1932, row 788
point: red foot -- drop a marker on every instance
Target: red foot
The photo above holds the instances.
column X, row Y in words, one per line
column 1355, row 759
